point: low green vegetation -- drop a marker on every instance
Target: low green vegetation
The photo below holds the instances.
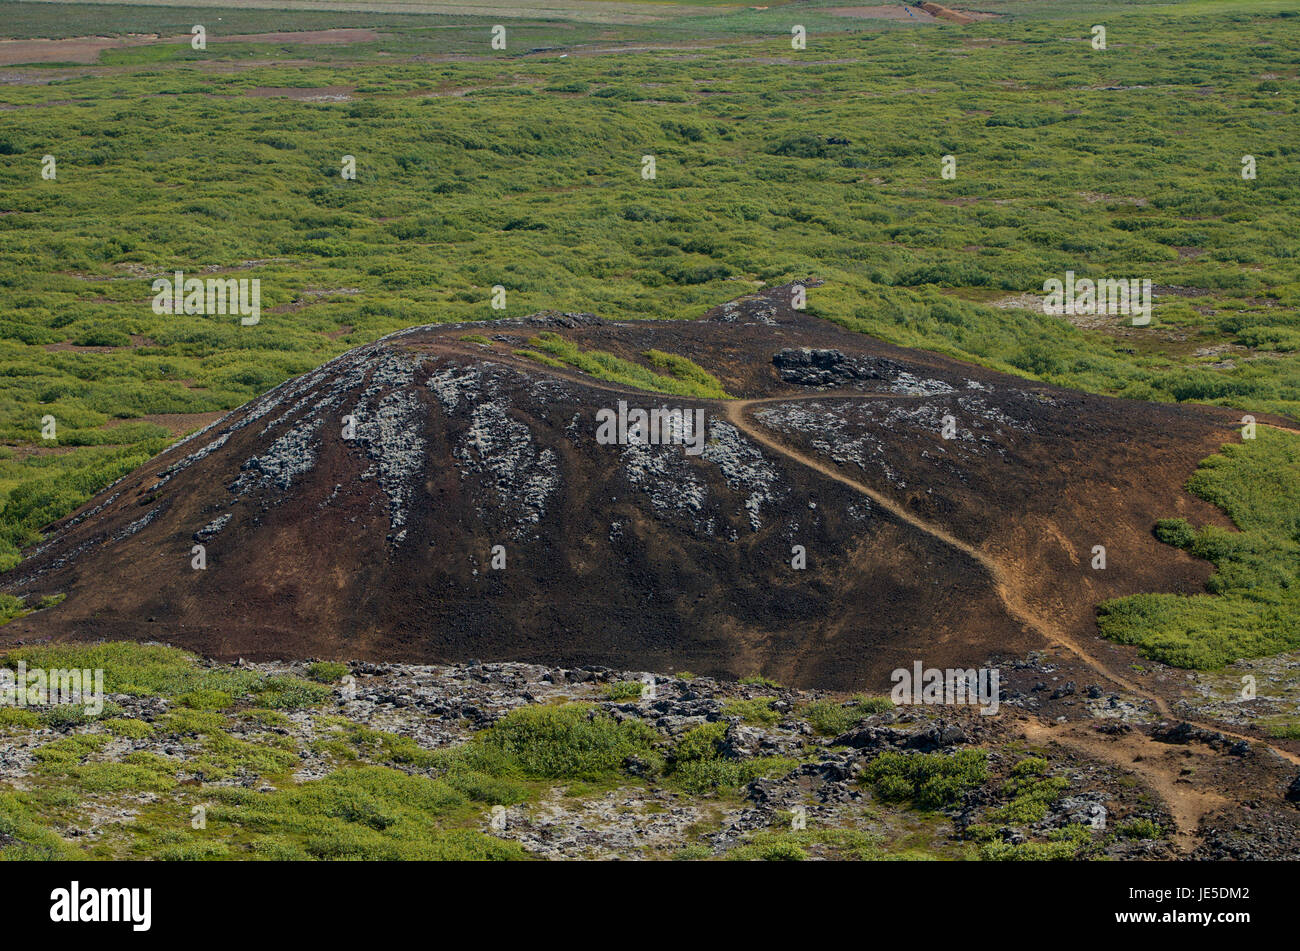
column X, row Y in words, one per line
column 574, row 741
column 1068, row 843
column 11, row 607
column 541, row 358
column 28, row 837
column 327, row 671
column 685, row 377
column 702, row 382
column 829, row 718
column 360, row 813
column 1139, row 829
column 1029, row 793
column 758, row 711
column 16, row 719
column 926, row 780
column 624, row 690
column 37, row 489
column 1253, row 600
column 699, row 766
column 791, row 845
column 157, row 670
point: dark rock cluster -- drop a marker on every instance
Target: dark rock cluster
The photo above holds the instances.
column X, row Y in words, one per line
column 806, row 366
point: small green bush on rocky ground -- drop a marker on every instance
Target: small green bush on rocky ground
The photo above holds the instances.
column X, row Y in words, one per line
column 926, row 780
column 829, row 718
column 698, row 765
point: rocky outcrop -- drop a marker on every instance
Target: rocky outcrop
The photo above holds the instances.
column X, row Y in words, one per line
column 810, row 367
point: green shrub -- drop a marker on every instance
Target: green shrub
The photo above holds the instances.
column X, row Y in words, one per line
column 624, row 690
column 926, row 780
column 11, row 607
column 574, row 741
column 205, row 699
column 693, row 379
column 1176, row 532
column 17, row 718
column 788, row 845
column 370, row 813
column 290, row 693
column 1069, row 843
column 1139, row 829
column 688, row 853
column 727, row 775
column 768, row 852
column 757, row 711
column 327, row 671
column 699, row 767
column 829, row 718
column 128, row 728
column 23, row 837
column 1030, row 793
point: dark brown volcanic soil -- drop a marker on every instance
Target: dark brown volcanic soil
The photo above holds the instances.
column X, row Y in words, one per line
column 948, row 551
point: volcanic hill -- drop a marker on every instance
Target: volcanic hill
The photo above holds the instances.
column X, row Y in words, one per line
column 372, row 537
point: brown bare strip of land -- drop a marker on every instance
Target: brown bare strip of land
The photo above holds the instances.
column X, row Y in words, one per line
column 618, row 11
column 86, row 49
column 883, row 11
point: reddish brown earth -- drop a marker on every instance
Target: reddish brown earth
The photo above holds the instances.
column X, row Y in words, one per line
column 950, row 551
column 926, row 13
column 86, row 49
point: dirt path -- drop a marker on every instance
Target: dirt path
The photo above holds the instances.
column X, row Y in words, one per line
column 1138, row 753
column 1050, row 631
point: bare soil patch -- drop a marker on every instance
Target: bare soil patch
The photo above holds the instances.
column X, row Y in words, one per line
column 177, row 423
column 69, row 346
column 82, row 49
column 883, row 11
column 305, row 37
column 87, row 49
column 316, row 94
column 929, row 13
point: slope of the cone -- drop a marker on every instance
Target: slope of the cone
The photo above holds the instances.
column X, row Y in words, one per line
column 441, row 495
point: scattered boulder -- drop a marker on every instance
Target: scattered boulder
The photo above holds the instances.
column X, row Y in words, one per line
column 1080, row 810
column 1185, row 732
